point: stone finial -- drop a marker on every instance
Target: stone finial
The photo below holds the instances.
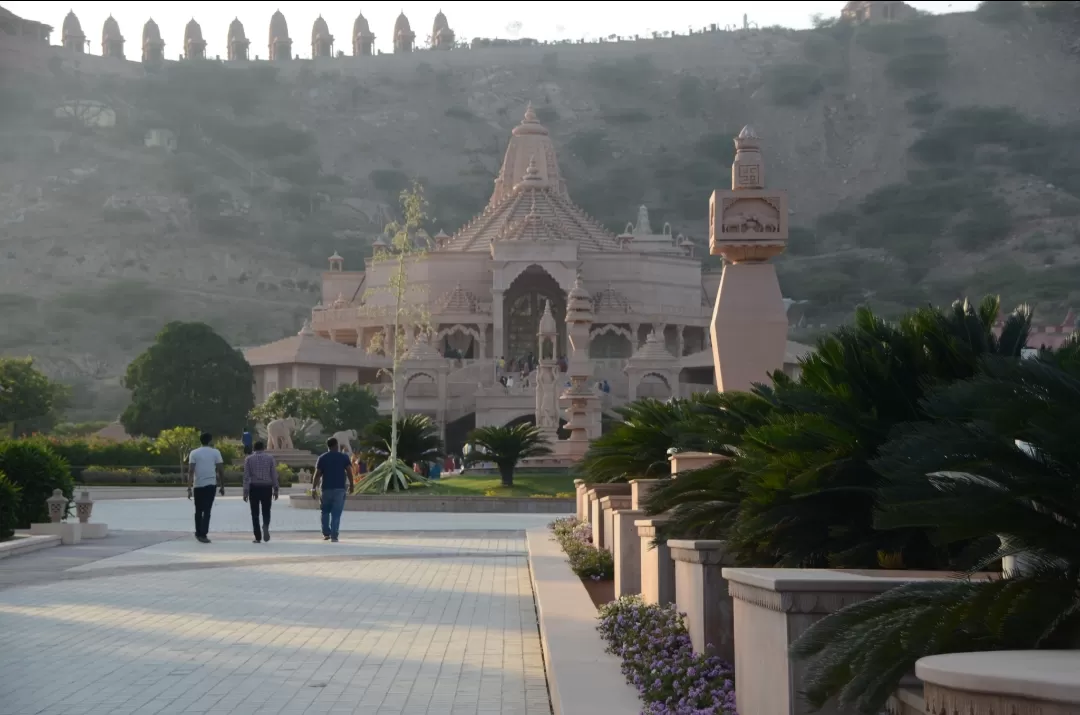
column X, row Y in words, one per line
column 337, row 263
column 547, row 321
column 57, row 504
column 530, row 115
column 578, row 303
column 643, row 227
column 306, row 329
column 747, row 171
column 84, row 507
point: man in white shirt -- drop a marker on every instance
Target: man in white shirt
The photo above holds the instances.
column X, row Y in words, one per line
column 206, row 474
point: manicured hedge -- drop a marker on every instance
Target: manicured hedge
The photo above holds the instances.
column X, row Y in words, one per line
column 82, row 451
column 117, row 476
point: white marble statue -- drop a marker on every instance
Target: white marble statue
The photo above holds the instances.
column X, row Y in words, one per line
column 343, row 438
column 279, row 434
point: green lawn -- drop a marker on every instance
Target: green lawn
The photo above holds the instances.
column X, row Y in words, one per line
column 525, row 485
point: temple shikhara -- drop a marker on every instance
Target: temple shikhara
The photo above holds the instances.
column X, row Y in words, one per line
column 577, row 319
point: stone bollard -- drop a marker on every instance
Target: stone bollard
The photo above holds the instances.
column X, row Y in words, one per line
column 608, row 506
column 627, row 552
column 57, row 504
column 701, row 592
column 640, row 488
column 657, row 567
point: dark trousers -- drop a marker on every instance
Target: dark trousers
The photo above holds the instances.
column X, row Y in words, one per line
column 204, row 502
column 260, row 497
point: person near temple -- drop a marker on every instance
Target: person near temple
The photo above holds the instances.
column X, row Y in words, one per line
column 260, row 488
column 206, row 475
column 245, row 440
column 333, row 471
column 435, row 470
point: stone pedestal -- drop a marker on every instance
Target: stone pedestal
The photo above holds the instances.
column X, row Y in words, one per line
column 69, row 532
column 94, row 531
column 657, row 566
column 627, row 552
column 580, row 488
column 593, row 495
column 701, row 593
column 687, row 461
column 773, row 607
column 609, row 505
column 640, row 488
column 1014, row 682
column 295, row 458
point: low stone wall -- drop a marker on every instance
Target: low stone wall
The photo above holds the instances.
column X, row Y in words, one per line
column 447, row 504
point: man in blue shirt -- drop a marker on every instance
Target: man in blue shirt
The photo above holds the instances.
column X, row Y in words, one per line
column 333, row 471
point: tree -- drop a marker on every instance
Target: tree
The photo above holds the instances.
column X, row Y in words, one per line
column 350, row 406
column 506, row 446
column 995, row 465
column 356, row 407
column 405, row 249
column 189, row 376
column 417, row 440
column 178, row 441
column 36, row 470
column 27, row 395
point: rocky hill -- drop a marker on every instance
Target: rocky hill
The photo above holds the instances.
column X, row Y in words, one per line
column 923, row 160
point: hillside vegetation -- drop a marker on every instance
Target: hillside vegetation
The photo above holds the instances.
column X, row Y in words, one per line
column 923, row 161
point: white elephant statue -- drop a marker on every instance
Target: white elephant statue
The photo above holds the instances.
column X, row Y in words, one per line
column 279, row 434
column 343, row 438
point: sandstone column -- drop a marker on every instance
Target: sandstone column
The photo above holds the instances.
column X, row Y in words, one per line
column 748, row 225
column 627, row 552
column 657, row 566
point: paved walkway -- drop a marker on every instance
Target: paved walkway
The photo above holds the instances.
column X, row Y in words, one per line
column 397, row 620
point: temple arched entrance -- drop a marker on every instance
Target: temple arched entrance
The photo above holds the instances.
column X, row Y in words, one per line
column 523, row 307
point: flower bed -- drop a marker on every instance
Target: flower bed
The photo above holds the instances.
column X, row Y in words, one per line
column 659, row 661
column 587, row 561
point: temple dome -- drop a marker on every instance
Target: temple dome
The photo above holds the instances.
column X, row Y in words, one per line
column 236, row 30
column 319, row 29
column 279, row 29
column 151, row 32
column 440, row 23
column 530, row 196
column 72, row 26
column 360, row 26
column 110, row 31
column 193, row 33
column 402, row 26
column 654, row 350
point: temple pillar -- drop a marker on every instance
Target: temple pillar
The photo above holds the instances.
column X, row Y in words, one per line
column 498, row 346
column 680, row 342
column 748, row 225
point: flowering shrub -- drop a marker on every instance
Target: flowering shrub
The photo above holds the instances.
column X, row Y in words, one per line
column 658, row 659
column 587, row 561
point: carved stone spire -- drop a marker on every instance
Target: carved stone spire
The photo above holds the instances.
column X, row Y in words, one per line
column 747, row 171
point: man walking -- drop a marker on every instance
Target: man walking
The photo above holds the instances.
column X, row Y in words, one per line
column 206, row 473
column 260, row 484
column 332, row 470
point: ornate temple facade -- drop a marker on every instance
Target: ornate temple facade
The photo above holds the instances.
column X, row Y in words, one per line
column 622, row 316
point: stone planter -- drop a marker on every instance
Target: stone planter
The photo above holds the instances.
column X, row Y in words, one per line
column 640, row 488
column 593, row 495
column 1013, row 682
column 657, row 566
column 627, row 552
column 701, row 592
column 608, row 507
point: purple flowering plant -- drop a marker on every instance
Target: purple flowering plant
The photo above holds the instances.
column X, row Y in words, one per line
column 586, row 561
column 659, row 660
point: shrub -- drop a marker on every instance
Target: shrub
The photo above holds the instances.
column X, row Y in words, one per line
column 659, row 660
column 1000, row 11
column 793, row 85
column 919, row 69
column 37, row 471
column 10, row 500
column 586, row 561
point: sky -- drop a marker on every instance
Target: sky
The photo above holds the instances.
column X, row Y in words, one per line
column 543, row 21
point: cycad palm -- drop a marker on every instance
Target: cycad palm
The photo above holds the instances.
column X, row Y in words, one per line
column 806, row 488
column 963, row 477
column 417, row 441
column 507, row 446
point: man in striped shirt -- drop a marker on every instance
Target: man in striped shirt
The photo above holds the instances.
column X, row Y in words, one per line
column 260, row 483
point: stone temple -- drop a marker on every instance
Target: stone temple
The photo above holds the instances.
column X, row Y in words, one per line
column 624, row 316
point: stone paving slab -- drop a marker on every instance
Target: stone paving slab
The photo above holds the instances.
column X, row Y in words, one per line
column 231, row 515
column 361, row 631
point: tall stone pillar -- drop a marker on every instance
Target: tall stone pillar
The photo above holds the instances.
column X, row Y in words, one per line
column 584, row 404
column 748, row 225
column 547, row 389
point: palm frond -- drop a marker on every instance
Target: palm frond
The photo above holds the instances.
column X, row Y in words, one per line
column 390, row 476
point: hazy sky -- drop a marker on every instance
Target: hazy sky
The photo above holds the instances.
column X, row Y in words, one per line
column 540, row 20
